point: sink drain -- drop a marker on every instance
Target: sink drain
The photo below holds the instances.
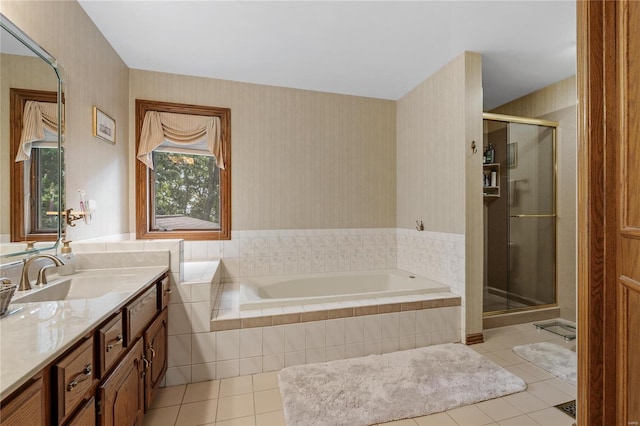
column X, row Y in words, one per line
column 568, row 408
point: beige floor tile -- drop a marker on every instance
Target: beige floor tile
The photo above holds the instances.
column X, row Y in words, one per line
column 403, row 422
column 437, row 419
column 197, row 413
column 525, row 402
column 232, row 407
column 552, row 416
column 519, row 421
column 264, row 381
column 202, row 391
column 236, row 386
column 469, row 415
column 268, row 400
column 562, row 386
column 548, row 393
column 165, row 416
column 509, row 357
column 242, row 421
column 498, row 409
column 274, row 418
column 529, row 372
column 168, row 396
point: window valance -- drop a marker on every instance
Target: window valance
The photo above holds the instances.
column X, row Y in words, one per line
column 37, row 118
column 181, row 130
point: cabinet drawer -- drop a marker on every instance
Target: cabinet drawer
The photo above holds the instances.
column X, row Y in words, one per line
column 164, row 292
column 111, row 343
column 86, row 416
column 140, row 313
column 74, row 378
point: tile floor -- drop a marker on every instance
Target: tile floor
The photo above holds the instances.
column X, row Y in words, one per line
column 255, row 400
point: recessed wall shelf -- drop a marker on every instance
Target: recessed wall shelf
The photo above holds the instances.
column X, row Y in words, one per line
column 491, row 191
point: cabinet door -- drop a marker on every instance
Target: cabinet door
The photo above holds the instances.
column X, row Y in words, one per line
column 27, row 408
column 155, row 348
column 122, row 393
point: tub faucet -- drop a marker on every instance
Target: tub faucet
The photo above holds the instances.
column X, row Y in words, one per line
column 25, row 283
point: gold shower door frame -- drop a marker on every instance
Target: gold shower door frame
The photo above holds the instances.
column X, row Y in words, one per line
column 554, row 126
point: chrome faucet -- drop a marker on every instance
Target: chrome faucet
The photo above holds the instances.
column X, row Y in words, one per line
column 25, row 283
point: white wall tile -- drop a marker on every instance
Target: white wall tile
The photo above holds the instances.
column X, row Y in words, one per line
column 201, row 317
column 336, row 352
column 273, row 340
column 407, row 323
column 354, row 330
column 294, row 358
column 203, row 372
column 315, row 332
column 178, row 375
column 373, row 347
column 227, row 345
column 200, row 292
column 389, row 345
column 225, row 369
column 316, row 355
column 179, row 319
column 250, row 342
column 423, row 340
column 250, row 365
column 294, row 337
column 389, row 325
column 179, row 350
column 372, row 328
column 203, row 347
column 406, row 343
column 335, row 332
column 273, row 362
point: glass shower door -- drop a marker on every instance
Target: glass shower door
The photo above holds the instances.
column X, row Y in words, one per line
column 531, row 203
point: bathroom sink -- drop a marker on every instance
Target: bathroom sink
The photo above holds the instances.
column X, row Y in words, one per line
column 68, row 289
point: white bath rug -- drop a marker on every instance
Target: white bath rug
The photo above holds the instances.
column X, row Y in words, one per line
column 559, row 361
column 393, row 386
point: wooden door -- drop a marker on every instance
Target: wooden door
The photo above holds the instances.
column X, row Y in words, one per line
column 122, row 393
column 609, row 213
column 155, row 349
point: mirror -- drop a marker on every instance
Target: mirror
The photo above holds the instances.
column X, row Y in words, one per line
column 31, row 96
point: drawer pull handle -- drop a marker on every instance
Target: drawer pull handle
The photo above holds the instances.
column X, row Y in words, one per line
column 153, row 352
column 168, row 291
column 118, row 341
column 86, row 373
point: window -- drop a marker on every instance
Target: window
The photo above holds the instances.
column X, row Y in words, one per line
column 182, row 191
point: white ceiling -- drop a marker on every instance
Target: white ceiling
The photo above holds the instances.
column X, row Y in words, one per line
column 379, row 49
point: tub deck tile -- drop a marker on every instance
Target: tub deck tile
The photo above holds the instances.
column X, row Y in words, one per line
column 283, row 319
column 365, row 310
column 388, row 308
column 340, row 313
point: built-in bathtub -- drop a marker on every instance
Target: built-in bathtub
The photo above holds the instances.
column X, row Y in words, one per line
column 275, row 292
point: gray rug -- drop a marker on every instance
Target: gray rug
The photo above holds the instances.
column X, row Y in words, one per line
column 559, row 361
column 393, row 386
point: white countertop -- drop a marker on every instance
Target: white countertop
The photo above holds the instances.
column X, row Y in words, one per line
column 41, row 331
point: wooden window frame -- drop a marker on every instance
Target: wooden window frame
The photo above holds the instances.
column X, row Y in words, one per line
column 17, row 99
column 144, row 200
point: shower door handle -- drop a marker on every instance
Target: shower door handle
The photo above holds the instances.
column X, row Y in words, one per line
column 523, row 216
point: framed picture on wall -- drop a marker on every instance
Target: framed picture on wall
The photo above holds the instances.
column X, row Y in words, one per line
column 512, row 155
column 104, row 126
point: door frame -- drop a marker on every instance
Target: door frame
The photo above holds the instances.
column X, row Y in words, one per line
column 598, row 134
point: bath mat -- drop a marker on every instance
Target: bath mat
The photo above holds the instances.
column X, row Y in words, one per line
column 559, row 361
column 393, row 386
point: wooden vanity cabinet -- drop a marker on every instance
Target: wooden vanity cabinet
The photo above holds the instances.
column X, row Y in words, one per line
column 155, row 351
column 109, row 377
column 27, row 406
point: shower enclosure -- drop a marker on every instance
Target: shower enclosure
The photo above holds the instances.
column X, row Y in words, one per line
column 519, row 191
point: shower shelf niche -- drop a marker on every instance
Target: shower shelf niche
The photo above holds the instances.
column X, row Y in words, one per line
column 489, row 191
